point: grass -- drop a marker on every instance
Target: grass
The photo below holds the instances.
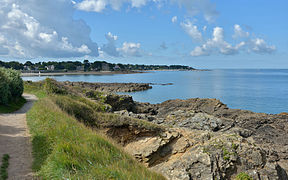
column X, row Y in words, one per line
column 243, row 176
column 93, row 114
column 14, row 105
column 64, row 148
column 35, row 88
column 4, row 166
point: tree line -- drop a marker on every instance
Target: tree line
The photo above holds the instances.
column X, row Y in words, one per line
column 86, row 66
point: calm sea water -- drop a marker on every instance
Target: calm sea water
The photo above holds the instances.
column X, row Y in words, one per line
column 255, row 90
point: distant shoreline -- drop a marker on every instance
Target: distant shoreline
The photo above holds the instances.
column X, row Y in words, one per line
column 99, row 72
column 80, row 73
column 178, row 70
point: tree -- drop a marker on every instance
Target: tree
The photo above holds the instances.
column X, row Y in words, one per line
column 86, row 65
column 97, row 65
column 85, row 61
column 70, row 66
column 28, row 63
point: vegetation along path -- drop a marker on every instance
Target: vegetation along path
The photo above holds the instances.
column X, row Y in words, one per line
column 14, row 140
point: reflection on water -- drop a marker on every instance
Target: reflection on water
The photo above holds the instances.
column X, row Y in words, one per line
column 256, row 90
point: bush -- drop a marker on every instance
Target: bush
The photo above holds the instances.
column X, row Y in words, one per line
column 243, row 176
column 11, row 85
column 95, row 105
column 4, row 88
column 15, row 83
column 52, row 87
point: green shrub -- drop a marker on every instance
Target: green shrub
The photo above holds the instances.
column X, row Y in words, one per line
column 4, row 167
column 15, row 83
column 243, row 176
column 99, row 96
column 95, row 105
column 52, row 87
column 4, row 88
column 11, row 85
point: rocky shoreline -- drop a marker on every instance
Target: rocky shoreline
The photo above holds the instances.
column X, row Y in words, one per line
column 201, row 138
column 210, row 141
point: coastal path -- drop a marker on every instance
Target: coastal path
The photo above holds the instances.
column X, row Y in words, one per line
column 15, row 141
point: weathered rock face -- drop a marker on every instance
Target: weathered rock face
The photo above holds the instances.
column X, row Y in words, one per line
column 195, row 154
column 193, row 120
column 207, row 140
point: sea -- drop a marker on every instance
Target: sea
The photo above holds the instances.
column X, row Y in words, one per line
column 258, row 90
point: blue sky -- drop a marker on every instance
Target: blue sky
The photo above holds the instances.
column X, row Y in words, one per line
column 198, row 33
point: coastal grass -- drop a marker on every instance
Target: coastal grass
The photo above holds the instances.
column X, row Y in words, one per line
column 4, row 166
column 94, row 115
column 36, row 88
column 243, row 176
column 64, row 148
column 13, row 105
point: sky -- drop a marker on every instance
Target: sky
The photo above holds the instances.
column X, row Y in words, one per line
column 200, row 33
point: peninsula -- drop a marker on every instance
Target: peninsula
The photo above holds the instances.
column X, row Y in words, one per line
column 86, row 67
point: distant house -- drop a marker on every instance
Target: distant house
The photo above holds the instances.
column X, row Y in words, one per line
column 80, row 68
column 27, row 68
column 116, row 68
column 50, row 68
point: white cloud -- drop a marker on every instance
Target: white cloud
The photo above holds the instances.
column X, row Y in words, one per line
column 200, row 51
column 127, row 49
column 28, row 31
column 92, row 5
column 130, row 49
column 217, row 44
column 101, row 5
column 138, row 3
column 193, row 7
column 238, row 32
column 174, row 19
column 110, row 47
column 48, row 37
column 260, row 46
column 192, row 30
column 204, row 28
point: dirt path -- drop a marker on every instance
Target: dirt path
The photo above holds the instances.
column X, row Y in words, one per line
column 14, row 140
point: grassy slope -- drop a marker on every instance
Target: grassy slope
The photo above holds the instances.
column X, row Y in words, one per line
column 93, row 115
column 35, row 88
column 13, row 106
column 65, row 148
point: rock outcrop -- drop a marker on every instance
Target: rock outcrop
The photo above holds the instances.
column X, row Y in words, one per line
column 207, row 140
column 111, row 87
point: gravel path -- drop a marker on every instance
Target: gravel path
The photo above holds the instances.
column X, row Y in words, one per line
column 15, row 141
